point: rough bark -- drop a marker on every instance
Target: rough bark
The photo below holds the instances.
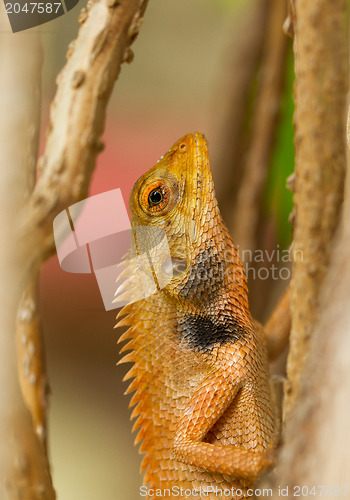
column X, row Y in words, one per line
column 316, row 440
column 316, row 449
column 320, row 97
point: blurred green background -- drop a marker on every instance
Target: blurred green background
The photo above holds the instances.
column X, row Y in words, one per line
column 173, row 86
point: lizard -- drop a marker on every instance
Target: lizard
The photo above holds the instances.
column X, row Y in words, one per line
column 205, row 414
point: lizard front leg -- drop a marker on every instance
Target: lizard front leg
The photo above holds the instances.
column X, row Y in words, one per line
column 205, row 407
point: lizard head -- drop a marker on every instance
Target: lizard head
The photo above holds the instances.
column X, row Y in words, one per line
column 177, row 195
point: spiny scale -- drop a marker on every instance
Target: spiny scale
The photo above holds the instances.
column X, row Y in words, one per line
column 194, row 342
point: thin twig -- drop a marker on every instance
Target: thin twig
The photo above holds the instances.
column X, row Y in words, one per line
column 277, row 328
column 263, row 129
column 241, row 65
column 30, row 351
column 31, row 359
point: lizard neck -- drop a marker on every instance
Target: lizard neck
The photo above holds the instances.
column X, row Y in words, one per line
column 216, row 275
column 211, row 301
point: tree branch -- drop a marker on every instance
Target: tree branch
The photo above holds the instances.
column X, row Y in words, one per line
column 24, row 470
column 30, row 350
column 31, row 359
column 263, row 129
column 244, row 56
column 77, row 117
column 317, row 435
column 320, row 97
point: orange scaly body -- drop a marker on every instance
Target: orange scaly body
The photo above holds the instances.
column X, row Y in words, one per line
column 200, row 369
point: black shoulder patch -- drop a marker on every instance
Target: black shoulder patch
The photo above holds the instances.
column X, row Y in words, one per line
column 201, row 333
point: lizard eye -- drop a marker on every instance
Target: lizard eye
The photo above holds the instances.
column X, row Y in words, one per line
column 155, row 197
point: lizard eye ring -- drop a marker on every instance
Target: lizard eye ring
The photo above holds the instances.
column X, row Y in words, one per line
column 155, row 197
